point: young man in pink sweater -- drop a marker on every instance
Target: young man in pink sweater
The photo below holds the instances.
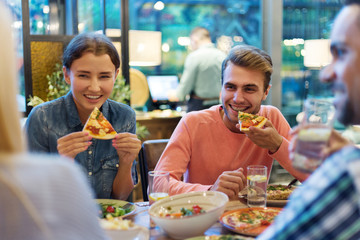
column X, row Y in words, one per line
column 207, row 147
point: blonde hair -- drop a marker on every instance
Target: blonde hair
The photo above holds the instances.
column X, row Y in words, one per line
column 11, row 140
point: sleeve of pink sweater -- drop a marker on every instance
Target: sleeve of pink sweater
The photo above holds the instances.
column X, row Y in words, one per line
column 175, row 160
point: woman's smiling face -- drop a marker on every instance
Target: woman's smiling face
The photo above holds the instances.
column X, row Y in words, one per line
column 242, row 90
column 92, row 80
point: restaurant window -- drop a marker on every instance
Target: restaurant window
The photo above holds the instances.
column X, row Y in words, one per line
column 39, row 17
column 230, row 23
column 90, row 16
column 112, row 17
column 302, row 21
column 16, row 14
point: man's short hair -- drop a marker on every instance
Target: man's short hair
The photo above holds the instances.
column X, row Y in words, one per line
column 252, row 58
column 201, row 33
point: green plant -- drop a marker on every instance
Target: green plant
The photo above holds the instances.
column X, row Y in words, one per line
column 121, row 91
column 141, row 131
column 57, row 87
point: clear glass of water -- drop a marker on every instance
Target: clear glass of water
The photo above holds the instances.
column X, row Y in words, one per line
column 317, row 121
column 257, row 184
column 158, row 185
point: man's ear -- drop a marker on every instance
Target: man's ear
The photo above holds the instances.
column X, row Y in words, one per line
column 66, row 75
column 266, row 93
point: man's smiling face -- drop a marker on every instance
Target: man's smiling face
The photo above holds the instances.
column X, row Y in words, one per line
column 242, row 90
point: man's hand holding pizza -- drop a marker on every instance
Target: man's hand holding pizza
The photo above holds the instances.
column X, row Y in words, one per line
column 267, row 137
column 74, row 143
column 260, row 131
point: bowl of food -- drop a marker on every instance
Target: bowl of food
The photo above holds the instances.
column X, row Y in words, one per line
column 188, row 214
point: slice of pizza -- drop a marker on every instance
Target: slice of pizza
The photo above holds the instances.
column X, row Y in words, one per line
column 98, row 126
column 247, row 120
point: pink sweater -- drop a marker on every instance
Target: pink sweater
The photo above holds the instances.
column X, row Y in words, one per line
column 202, row 147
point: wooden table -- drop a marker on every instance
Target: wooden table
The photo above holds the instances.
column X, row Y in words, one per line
column 142, row 218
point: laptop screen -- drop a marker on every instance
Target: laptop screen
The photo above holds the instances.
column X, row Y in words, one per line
column 160, row 85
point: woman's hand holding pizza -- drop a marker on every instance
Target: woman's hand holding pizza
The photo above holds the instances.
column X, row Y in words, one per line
column 267, row 137
column 127, row 146
column 230, row 183
column 74, row 143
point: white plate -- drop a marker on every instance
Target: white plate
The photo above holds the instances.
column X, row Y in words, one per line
column 269, row 203
column 278, row 203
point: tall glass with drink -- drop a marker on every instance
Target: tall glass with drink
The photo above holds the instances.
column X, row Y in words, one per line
column 313, row 138
column 257, row 184
column 158, row 185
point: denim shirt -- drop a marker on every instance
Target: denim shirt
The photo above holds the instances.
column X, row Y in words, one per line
column 52, row 120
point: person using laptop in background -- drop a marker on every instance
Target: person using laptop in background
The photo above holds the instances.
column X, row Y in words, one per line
column 207, row 147
column 202, row 70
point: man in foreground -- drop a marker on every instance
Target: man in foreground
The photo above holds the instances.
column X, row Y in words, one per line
column 327, row 205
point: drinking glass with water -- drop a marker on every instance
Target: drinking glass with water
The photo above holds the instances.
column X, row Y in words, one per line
column 313, row 138
column 257, row 184
column 158, row 185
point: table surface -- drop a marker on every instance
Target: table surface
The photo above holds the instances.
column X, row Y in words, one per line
column 141, row 217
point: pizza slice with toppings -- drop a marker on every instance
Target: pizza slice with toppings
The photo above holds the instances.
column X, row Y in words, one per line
column 247, row 120
column 98, row 126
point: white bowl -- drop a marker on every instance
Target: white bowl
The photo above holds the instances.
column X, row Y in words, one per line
column 179, row 228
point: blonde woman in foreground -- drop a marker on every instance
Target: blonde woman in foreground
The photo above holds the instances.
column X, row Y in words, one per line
column 40, row 198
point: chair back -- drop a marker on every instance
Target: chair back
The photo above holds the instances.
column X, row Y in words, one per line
column 149, row 155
